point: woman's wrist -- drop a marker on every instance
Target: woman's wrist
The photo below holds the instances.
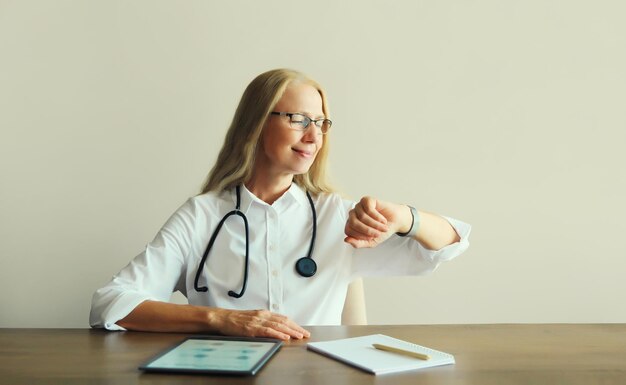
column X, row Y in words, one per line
column 410, row 222
column 212, row 318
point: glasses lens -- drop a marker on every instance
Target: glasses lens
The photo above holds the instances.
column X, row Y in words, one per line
column 325, row 125
column 299, row 121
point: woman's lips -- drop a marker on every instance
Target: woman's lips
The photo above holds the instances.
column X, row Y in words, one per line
column 303, row 153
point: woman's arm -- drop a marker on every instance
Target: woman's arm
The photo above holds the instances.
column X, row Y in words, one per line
column 158, row 316
column 372, row 221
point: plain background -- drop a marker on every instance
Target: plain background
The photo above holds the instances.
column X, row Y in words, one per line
column 508, row 115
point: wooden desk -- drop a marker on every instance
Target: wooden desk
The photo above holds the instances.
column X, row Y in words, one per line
column 485, row 354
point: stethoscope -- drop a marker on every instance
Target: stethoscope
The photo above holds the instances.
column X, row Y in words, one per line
column 305, row 266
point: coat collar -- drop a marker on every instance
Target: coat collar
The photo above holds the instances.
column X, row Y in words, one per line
column 295, row 194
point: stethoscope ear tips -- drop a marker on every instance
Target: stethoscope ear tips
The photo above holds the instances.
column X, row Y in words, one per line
column 306, row 267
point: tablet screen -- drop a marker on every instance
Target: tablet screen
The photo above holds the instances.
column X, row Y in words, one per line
column 220, row 355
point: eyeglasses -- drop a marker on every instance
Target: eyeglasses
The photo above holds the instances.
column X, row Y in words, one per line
column 301, row 122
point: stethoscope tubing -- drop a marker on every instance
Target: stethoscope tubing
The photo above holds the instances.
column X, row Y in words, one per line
column 305, row 266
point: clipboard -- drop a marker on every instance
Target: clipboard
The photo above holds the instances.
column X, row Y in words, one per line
column 237, row 356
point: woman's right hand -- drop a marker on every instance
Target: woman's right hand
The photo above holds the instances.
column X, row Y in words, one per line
column 255, row 323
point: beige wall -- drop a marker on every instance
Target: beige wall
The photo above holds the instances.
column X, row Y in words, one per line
column 508, row 115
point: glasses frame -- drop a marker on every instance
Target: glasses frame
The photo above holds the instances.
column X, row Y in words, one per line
column 306, row 120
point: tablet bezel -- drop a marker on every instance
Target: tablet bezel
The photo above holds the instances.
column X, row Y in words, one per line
column 277, row 344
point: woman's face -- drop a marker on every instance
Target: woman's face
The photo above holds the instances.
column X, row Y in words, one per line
column 288, row 151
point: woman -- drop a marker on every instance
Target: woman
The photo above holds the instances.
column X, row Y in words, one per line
column 283, row 247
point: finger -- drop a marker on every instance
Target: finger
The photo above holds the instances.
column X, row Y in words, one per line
column 272, row 333
column 254, row 329
column 358, row 229
column 370, row 205
column 286, row 325
column 265, row 324
column 305, row 333
column 295, row 330
column 371, row 218
column 360, row 243
column 286, row 329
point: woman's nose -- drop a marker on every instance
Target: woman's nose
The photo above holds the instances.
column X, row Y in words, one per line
column 312, row 133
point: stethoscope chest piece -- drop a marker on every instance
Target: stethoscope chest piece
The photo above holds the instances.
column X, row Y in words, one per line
column 306, row 267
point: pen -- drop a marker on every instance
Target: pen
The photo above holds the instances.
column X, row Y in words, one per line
column 401, row 351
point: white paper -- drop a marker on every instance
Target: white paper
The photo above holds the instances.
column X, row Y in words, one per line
column 359, row 352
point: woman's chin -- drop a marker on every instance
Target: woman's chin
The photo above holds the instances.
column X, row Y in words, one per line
column 301, row 170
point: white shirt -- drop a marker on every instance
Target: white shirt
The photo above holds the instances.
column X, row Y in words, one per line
column 279, row 235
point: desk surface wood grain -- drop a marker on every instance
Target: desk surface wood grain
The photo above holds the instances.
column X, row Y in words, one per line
column 485, row 354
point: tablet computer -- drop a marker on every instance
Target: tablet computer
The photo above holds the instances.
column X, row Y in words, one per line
column 215, row 355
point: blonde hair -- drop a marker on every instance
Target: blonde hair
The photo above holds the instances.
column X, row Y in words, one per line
column 235, row 161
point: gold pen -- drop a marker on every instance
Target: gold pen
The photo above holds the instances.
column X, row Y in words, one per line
column 401, row 351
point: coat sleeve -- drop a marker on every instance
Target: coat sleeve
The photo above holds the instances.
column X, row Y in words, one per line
column 399, row 256
column 152, row 275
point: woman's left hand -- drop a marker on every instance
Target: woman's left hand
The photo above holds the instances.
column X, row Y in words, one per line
column 372, row 221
